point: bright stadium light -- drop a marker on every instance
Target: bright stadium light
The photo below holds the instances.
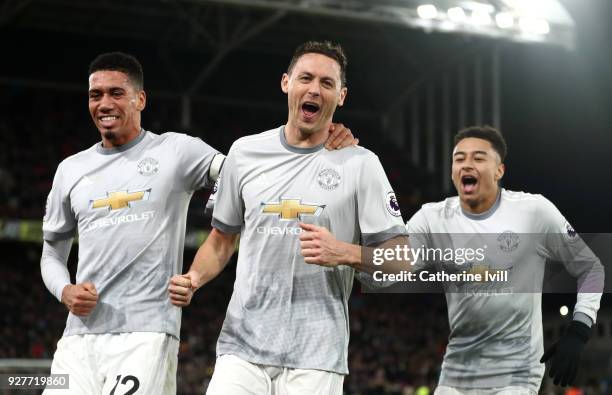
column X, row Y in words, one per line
column 504, row 20
column 531, row 25
column 427, row 11
column 481, row 18
column 526, row 21
column 448, row 26
column 456, row 14
column 563, row 311
column 542, row 26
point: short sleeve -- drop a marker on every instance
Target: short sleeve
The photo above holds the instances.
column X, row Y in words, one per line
column 379, row 214
column 195, row 159
column 419, row 234
column 59, row 222
column 228, row 213
column 418, row 223
column 560, row 242
column 210, row 203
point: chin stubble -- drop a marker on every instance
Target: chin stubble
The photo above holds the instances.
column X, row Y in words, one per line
column 110, row 135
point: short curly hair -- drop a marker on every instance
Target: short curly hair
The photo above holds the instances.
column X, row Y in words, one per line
column 487, row 133
column 326, row 48
column 119, row 61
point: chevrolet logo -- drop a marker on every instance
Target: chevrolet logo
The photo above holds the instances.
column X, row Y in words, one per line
column 291, row 209
column 119, row 199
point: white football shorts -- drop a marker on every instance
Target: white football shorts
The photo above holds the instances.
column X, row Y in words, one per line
column 235, row 376
column 511, row 390
column 134, row 363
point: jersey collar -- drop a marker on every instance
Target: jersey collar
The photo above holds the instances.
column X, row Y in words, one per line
column 297, row 150
column 122, row 148
column 487, row 213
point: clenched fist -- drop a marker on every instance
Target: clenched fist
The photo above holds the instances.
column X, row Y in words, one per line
column 80, row 299
column 182, row 287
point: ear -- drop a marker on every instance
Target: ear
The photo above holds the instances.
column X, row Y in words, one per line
column 285, row 83
column 500, row 171
column 343, row 93
column 141, row 100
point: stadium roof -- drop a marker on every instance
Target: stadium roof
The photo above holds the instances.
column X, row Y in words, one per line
column 543, row 21
column 196, row 47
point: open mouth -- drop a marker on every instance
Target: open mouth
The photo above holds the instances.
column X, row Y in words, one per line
column 310, row 109
column 469, row 183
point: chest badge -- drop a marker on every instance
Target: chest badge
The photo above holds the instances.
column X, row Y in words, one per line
column 148, row 166
column 508, row 241
column 329, row 179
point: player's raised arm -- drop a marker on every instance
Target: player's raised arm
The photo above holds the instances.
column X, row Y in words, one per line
column 220, row 244
column 379, row 221
column 211, row 258
column 320, row 247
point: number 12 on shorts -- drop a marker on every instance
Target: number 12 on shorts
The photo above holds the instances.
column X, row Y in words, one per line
column 132, row 379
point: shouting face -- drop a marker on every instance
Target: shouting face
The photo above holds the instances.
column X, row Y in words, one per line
column 477, row 168
column 314, row 90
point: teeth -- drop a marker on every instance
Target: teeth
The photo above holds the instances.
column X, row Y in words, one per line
column 109, row 118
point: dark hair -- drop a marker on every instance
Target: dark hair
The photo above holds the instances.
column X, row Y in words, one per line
column 488, row 133
column 326, row 48
column 119, row 61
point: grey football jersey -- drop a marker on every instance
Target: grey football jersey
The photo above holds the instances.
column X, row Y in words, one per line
column 129, row 207
column 284, row 312
column 496, row 338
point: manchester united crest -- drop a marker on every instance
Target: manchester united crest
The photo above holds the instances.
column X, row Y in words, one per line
column 329, row 179
column 508, row 241
column 148, row 166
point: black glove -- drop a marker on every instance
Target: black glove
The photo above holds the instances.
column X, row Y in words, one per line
column 564, row 355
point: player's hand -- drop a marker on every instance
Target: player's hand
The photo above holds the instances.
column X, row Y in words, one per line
column 340, row 137
column 80, row 299
column 564, row 355
column 182, row 287
column 320, row 247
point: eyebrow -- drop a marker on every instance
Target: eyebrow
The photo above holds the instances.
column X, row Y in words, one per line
column 474, row 152
column 111, row 89
column 324, row 78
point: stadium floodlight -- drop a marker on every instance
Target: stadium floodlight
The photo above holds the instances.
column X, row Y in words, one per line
column 427, row 11
column 448, row 26
column 480, row 17
column 456, row 15
column 504, row 20
column 530, row 21
column 530, row 25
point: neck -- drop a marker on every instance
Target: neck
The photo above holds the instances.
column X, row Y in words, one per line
column 113, row 139
column 480, row 206
column 297, row 138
